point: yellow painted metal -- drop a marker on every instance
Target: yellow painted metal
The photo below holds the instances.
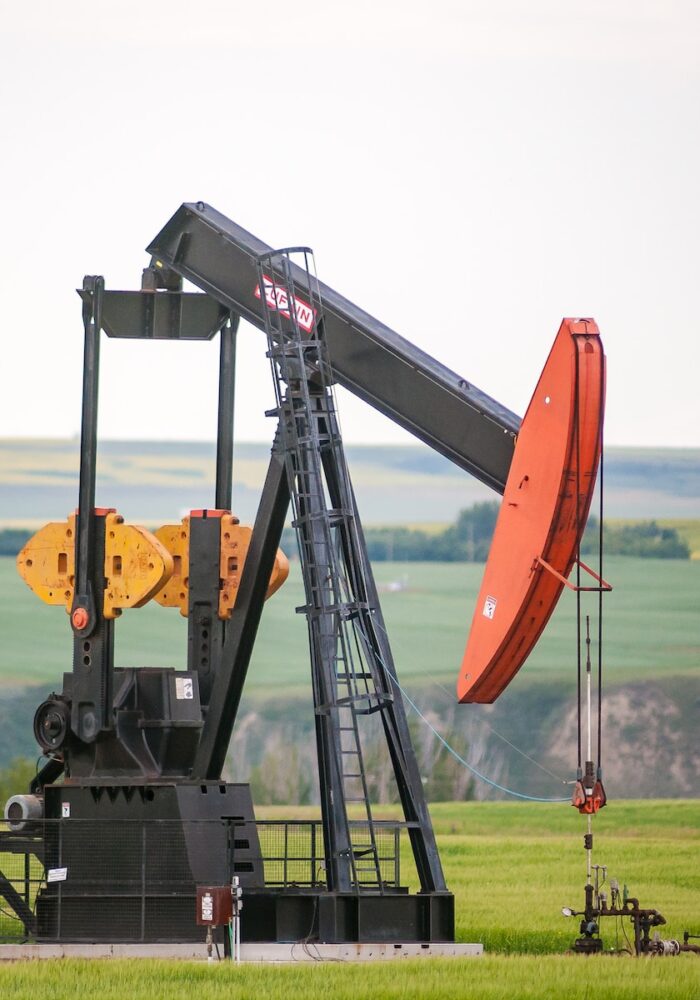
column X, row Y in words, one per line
column 176, row 539
column 137, row 565
column 235, row 541
column 47, row 562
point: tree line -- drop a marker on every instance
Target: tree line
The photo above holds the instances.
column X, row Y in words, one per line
column 469, row 539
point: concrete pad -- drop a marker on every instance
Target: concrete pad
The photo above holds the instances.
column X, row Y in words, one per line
column 258, row 953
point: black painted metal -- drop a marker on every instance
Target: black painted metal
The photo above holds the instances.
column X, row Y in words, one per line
column 93, row 644
column 93, row 653
column 161, row 315
column 353, row 673
column 332, row 917
column 205, row 630
column 243, row 626
column 303, row 410
column 393, row 714
column 134, row 855
column 157, row 721
column 84, row 543
column 406, row 384
column 17, row 903
column 227, row 392
column 130, row 741
column 50, row 772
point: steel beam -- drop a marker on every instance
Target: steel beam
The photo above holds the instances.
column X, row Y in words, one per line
column 445, row 411
column 243, row 625
column 227, row 393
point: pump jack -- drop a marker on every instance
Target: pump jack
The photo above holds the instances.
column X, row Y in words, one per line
column 135, row 755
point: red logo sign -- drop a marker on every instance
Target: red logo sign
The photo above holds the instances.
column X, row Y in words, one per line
column 277, row 298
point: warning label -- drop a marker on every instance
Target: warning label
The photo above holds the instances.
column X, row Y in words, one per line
column 184, row 689
column 277, row 298
column 207, row 913
column 489, row 607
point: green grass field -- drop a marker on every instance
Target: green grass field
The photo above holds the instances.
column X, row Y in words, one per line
column 512, row 866
column 514, row 978
column 652, row 627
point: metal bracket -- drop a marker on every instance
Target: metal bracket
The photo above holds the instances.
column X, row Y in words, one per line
column 603, row 585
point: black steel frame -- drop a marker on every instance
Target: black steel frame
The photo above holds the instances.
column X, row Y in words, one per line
column 445, row 411
column 374, row 362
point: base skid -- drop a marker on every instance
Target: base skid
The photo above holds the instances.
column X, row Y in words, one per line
column 121, row 864
column 336, row 918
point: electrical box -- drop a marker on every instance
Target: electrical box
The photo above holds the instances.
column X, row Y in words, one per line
column 213, row 905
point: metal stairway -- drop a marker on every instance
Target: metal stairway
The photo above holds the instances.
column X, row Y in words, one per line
column 347, row 684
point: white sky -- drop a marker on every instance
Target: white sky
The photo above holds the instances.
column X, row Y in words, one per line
column 469, row 172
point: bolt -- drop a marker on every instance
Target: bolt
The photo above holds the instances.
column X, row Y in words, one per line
column 80, row 618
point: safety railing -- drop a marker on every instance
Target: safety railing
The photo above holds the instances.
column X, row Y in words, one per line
column 135, row 880
column 292, row 853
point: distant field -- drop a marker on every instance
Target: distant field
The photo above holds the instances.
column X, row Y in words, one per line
column 652, row 627
column 151, row 482
column 512, row 867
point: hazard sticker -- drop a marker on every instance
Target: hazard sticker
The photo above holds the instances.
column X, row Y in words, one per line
column 277, row 298
column 184, row 689
column 489, row 607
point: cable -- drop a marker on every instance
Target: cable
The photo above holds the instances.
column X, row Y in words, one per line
column 600, row 584
column 451, row 750
column 527, row 756
column 495, row 732
column 578, row 570
column 458, row 757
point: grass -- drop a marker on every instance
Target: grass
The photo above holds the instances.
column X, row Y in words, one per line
column 652, row 628
column 512, row 866
column 515, row 978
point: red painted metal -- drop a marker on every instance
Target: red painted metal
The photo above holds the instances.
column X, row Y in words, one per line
column 541, row 520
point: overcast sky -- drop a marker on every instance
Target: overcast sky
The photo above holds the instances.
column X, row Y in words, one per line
column 469, row 172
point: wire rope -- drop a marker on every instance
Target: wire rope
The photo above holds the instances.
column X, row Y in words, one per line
column 458, row 757
column 500, row 736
